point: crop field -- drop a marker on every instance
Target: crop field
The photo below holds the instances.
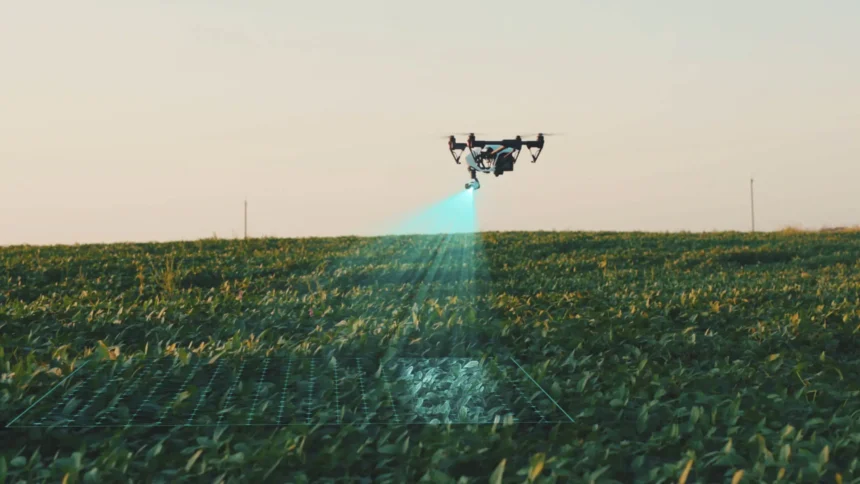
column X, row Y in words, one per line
column 492, row 357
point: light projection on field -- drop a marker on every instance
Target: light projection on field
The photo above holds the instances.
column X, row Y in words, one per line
column 285, row 391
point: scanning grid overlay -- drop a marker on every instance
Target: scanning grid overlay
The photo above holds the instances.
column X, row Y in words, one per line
column 284, row 391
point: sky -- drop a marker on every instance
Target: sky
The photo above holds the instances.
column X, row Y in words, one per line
column 154, row 121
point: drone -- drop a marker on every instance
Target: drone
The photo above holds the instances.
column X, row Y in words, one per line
column 496, row 157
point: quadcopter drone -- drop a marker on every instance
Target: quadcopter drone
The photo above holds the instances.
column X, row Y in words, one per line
column 496, row 157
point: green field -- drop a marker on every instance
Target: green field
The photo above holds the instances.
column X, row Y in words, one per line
column 720, row 357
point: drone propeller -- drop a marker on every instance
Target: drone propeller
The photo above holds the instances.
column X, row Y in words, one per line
column 462, row 134
column 543, row 134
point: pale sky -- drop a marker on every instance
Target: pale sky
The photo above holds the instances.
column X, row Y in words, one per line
column 153, row 120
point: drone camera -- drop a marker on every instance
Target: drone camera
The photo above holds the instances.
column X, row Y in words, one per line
column 504, row 165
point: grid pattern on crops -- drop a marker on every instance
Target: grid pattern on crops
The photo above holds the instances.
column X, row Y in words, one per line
column 284, row 391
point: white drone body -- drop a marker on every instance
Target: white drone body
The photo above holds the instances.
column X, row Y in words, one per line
column 484, row 160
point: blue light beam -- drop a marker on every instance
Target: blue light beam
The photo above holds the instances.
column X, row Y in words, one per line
column 455, row 214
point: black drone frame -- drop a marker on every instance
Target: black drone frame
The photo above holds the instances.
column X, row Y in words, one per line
column 515, row 144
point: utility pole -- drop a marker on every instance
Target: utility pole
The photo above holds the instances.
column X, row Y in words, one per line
column 752, row 205
column 246, row 219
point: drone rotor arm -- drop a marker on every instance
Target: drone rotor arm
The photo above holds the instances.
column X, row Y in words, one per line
column 515, row 154
column 532, row 145
column 455, row 147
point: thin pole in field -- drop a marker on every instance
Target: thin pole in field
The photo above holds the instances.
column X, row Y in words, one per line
column 752, row 205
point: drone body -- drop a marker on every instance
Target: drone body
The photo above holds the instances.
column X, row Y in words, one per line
column 496, row 157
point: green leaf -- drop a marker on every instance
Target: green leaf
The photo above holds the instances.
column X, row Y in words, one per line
column 192, row 460
column 102, row 352
column 785, row 453
column 92, row 476
column 70, row 407
column 435, row 475
column 183, row 355
column 496, row 476
column 236, row 458
column 599, row 472
column 582, row 382
column 154, row 451
column 389, row 449
column 536, row 467
column 824, row 455
column 813, row 422
column 642, row 420
column 19, row 461
column 695, row 414
column 65, row 464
